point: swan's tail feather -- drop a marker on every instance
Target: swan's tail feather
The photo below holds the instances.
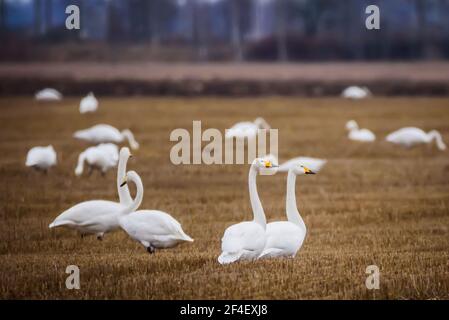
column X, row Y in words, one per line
column 184, row 237
column 55, row 223
column 228, row 257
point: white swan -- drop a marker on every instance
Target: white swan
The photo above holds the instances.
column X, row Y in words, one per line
column 99, row 216
column 89, row 103
column 356, row 134
column 102, row 157
column 356, row 93
column 285, row 238
column 246, row 129
column 246, row 240
column 154, row 229
column 79, row 216
column 48, row 94
column 314, row 164
column 41, row 158
column 106, row 133
column 409, row 137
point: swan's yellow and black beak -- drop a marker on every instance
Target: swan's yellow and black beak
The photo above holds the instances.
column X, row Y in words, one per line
column 269, row 164
column 124, row 181
column 307, row 170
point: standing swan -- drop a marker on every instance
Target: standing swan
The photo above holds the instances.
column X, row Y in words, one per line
column 48, row 94
column 356, row 93
column 101, row 216
column 41, row 158
column 285, row 238
column 408, row 137
column 106, row 133
column 246, row 240
column 246, row 129
column 357, row 134
column 152, row 228
column 101, row 157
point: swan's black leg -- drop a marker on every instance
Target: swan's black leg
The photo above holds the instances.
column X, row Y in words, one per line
column 100, row 237
column 151, row 249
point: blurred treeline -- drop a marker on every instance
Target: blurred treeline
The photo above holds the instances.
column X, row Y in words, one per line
column 240, row 30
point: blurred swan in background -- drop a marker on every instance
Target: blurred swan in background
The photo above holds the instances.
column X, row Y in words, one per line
column 314, row 164
column 41, row 158
column 106, row 133
column 102, row 157
column 356, row 134
column 98, row 216
column 89, row 103
column 246, row 240
column 48, row 94
column 285, row 238
column 411, row 136
column 246, row 129
column 356, row 93
column 154, row 229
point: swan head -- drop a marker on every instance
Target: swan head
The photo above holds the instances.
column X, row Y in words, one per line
column 351, row 125
column 301, row 169
column 129, row 176
column 125, row 153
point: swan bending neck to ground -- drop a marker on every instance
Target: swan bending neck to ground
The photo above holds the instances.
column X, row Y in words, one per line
column 130, row 137
column 411, row 136
column 246, row 240
column 435, row 135
column 123, row 192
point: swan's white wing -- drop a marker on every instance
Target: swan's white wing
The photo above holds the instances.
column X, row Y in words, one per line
column 86, row 211
column 243, row 236
column 283, row 239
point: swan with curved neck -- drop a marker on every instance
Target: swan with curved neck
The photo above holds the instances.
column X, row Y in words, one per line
column 123, row 191
column 101, row 216
column 357, row 134
column 246, row 240
column 101, row 157
column 106, row 133
column 285, row 238
column 154, row 229
column 411, row 136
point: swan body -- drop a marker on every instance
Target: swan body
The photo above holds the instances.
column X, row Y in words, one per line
column 246, row 129
column 246, row 240
column 101, row 216
column 313, row 164
column 356, row 93
column 101, row 133
column 357, row 134
column 48, row 94
column 154, row 229
column 285, row 238
column 409, row 137
column 41, row 158
column 104, row 156
column 89, row 103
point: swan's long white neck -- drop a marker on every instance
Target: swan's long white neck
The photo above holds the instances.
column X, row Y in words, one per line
column 256, row 205
column 80, row 166
column 123, row 192
column 292, row 210
column 134, row 205
column 437, row 136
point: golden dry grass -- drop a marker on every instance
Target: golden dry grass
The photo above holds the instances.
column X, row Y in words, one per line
column 372, row 204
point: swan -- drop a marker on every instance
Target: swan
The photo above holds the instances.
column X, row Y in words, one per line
column 408, row 137
column 314, row 164
column 89, row 103
column 103, row 157
column 78, row 217
column 48, row 94
column 41, row 158
column 246, row 240
column 99, row 216
column 355, row 93
column 246, row 129
column 106, row 133
column 356, row 134
column 285, row 238
column 154, row 229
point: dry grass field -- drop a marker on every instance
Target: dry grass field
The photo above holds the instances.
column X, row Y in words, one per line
column 372, row 204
